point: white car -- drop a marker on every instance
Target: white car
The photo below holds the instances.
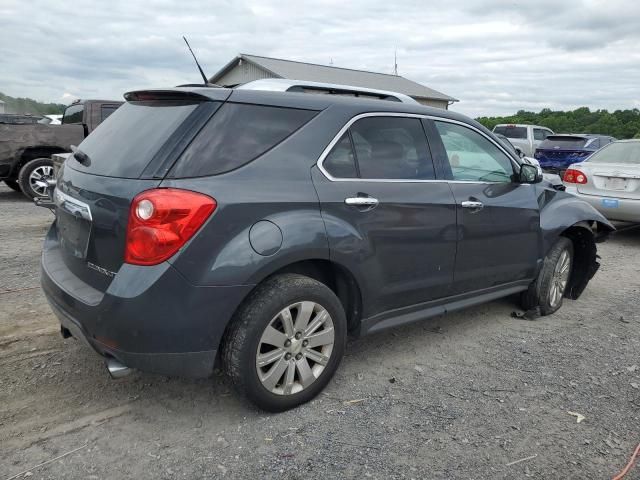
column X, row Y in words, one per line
column 525, row 138
column 609, row 180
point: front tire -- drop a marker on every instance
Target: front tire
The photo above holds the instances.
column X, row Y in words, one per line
column 33, row 176
column 548, row 290
column 285, row 342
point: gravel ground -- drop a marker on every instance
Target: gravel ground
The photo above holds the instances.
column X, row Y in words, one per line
column 462, row 396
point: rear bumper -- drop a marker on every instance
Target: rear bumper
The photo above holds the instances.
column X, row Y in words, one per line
column 150, row 318
column 627, row 210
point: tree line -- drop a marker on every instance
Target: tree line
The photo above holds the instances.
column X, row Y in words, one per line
column 30, row 106
column 620, row 124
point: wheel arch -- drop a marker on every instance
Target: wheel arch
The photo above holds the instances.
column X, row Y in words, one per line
column 335, row 276
column 33, row 153
column 585, row 257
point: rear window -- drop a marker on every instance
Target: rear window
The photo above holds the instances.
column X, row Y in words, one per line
column 236, row 135
column 511, row 131
column 563, row 142
column 125, row 143
column 618, row 152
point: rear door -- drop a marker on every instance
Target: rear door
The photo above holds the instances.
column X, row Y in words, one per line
column 129, row 153
column 388, row 219
column 498, row 218
column 539, row 134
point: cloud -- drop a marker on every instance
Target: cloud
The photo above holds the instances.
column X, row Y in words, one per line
column 497, row 57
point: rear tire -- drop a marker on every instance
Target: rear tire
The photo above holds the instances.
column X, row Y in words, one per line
column 39, row 169
column 279, row 360
column 547, row 291
column 13, row 185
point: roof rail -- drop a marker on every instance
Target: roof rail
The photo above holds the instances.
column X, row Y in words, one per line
column 303, row 86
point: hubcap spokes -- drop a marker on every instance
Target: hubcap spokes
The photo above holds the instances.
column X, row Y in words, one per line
column 38, row 179
column 560, row 278
column 295, row 348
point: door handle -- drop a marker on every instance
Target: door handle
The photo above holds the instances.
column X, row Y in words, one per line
column 474, row 205
column 361, row 201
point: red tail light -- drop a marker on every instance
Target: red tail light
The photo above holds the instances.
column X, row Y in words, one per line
column 574, row 176
column 161, row 221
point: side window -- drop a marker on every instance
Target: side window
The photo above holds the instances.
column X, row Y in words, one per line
column 106, row 110
column 392, row 148
column 472, row 157
column 236, row 135
column 539, row 134
column 340, row 163
column 73, row 114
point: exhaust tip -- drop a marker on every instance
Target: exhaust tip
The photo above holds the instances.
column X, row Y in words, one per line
column 116, row 369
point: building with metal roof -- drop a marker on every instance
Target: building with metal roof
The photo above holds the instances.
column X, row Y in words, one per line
column 246, row 68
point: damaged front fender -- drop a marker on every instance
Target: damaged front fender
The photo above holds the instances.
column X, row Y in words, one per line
column 562, row 214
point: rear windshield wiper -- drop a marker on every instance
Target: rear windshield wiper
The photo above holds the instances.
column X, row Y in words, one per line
column 81, row 157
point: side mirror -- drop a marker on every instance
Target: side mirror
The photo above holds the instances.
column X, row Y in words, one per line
column 529, row 174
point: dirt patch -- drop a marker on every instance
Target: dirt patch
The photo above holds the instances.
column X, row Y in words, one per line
column 463, row 396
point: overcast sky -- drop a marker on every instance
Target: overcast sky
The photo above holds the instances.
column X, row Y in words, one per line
column 497, row 57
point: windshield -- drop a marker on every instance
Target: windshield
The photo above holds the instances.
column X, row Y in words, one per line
column 618, row 152
column 124, row 144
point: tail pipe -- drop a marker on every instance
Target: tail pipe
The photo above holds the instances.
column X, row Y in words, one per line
column 117, row 369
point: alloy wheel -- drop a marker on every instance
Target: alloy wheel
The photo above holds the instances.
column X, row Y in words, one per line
column 560, row 278
column 295, row 348
column 38, row 179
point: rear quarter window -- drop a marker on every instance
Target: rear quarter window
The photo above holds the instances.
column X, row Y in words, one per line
column 236, row 135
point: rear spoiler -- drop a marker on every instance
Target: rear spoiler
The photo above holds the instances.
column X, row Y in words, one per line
column 192, row 95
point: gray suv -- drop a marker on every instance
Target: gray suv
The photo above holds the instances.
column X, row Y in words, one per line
column 259, row 229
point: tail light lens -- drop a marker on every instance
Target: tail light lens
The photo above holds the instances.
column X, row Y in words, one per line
column 163, row 220
column 574, row 176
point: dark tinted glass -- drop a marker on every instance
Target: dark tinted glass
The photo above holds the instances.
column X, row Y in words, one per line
column 392, row 148
column 340, row 163
column 125, row 143
column 563, row 142
column 107, row 110
column 510, row 131
column 236, row 135
column 73, row 114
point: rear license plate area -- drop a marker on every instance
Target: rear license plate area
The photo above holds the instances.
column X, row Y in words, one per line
column 74, row 232
column 610, row 202
column 614, row 183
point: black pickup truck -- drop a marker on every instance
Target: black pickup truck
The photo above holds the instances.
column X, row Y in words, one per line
column 26, row 149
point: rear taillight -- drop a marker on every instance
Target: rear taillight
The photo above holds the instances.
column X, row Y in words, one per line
column 163, row 220
column 574, row 176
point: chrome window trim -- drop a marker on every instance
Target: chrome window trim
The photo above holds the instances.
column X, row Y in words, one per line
column 351, row 121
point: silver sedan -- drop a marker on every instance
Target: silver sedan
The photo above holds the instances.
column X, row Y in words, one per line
column 609, row 180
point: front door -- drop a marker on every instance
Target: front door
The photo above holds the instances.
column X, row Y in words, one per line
column 498, row 218
column 389, row 221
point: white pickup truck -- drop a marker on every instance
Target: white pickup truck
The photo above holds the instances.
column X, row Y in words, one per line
column 526, row 138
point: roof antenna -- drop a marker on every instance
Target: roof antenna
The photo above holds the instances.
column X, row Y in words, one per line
column 204, row 77
column 395, row 62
